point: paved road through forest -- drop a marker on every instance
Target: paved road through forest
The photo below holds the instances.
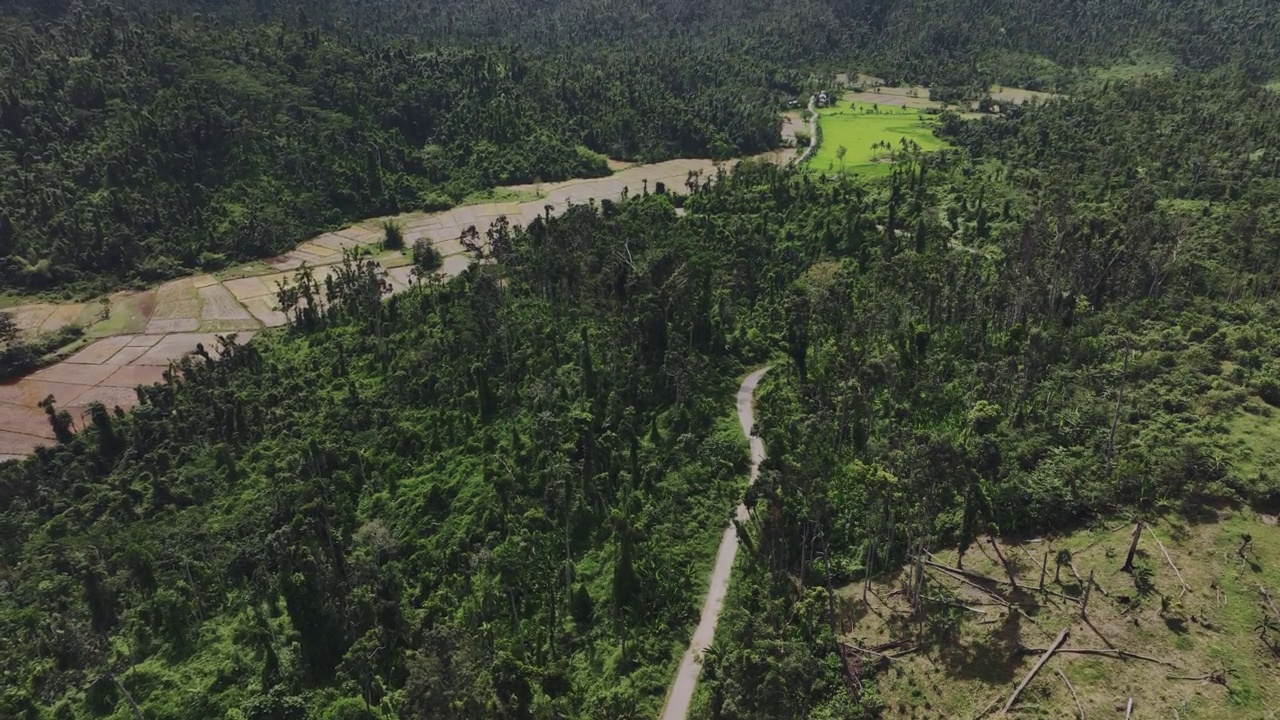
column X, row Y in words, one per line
column 681, row 694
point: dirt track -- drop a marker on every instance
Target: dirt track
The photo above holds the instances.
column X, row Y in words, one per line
column 681, row 694
column 147, row 330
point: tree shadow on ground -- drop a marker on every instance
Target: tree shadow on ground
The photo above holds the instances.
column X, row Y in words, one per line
column 992, row 659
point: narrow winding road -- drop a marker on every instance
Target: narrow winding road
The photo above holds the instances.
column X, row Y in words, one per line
column 681, row 694
column 814, row 138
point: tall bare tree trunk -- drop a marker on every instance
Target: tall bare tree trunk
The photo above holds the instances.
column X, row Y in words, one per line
column 1115, row 419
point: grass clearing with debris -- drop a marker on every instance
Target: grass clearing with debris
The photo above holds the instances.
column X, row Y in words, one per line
column 1212, row 651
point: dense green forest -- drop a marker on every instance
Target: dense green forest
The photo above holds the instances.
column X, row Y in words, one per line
column 932, row 41
column 499, row 496
column 496, row 499
column 485, row 499
column 1076, row 313
column 134, row 148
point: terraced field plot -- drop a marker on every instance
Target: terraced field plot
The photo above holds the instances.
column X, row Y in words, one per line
column 870, row 134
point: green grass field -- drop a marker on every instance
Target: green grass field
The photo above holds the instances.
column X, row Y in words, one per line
column 1137, row 67
column 862, row 129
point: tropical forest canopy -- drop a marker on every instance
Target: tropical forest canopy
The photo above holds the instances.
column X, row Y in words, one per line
column 136, row 148
column 499, row 496
column 922, row 38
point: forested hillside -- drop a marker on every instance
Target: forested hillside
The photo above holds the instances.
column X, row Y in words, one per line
column 496, row 499
column 498, row 496
column 134, row 148
column 485, row 499
column 1080, row 320
column 993, row 39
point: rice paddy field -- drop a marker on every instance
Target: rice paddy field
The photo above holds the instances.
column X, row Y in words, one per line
column 870, row 133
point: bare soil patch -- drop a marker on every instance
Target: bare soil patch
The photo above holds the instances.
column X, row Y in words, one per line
column 30, row 317
column 100, row 351
column 265, row 310
column 173, row 347
column 15, row 446
column 254, row 287
column 124, row 398
column 217, row 303
column 74, row 374
column 27, row 421
column 62, row 316
column 131, row 376
column 1018, row 96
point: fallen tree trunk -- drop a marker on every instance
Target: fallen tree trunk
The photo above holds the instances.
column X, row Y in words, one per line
column 1270, row 604
column 1104, row 652
column 1185, row 588
column 1062, row 637
column 1073, row 692
column 964, row 578
column 1005, row 563
column 983, row 578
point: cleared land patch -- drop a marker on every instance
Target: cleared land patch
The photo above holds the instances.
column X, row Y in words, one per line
column 871, row 134
column 917, row 96
column 895, row 97
column 1196, row 642
column 1255, row 434
column 1018, row 96
column 1138, row 65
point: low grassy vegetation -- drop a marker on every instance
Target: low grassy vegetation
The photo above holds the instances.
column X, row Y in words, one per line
column 1252, row 436
column 1137, row 65
column 500, row 195
column 1203, row 638
column 871, row 136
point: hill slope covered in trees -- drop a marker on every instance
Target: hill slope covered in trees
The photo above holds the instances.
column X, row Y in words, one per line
column 134, row 148
column 497, row 499
column 992, row 39
column 498, row 496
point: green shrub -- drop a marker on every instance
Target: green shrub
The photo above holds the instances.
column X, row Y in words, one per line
column 349, row 708
column 426, row 257
column 436, row 201
column 1269, row 389
column 393, row 235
